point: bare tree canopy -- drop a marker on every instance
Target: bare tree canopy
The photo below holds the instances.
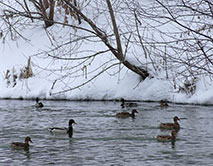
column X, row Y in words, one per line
column 147, row 37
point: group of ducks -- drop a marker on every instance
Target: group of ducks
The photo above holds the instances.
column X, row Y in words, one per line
column 175, row 127
column 25, row 145
column 169, row 126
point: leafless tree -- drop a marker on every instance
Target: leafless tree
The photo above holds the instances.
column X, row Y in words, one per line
column 174, row 37
column 106, row 34
column 178, row 34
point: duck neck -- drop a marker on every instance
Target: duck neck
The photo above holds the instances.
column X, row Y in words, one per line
column 70, row 128
column 27, row 142
column 173, row 137
column 70, row 131
column 133, row 114
column 176, row 123
column 176, row 126
column 122, row 105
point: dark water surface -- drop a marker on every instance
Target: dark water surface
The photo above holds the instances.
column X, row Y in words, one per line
column 101, row 139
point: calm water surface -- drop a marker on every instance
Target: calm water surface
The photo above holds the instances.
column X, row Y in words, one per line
column 101, row 139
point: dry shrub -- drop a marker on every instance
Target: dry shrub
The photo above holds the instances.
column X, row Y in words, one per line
column 189, row 86
column 11, row 75
column 26, row 72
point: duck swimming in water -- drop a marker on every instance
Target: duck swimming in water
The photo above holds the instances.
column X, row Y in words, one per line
column 171, row 126
column 21, row 145
column 171, row 137
column 163, row 104
column 129, row 104
column 38, row 104
column 126, row 114
column 64, row 130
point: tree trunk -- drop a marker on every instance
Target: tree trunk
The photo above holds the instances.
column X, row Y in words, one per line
column 116, row 52
column 42, row 5
column 51, row 14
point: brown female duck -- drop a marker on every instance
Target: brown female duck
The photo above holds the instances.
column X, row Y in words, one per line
column 21, row 145
column 129, row 104
column 171, row 137
column 170, row 126
column 126, row 114
column 163, row 104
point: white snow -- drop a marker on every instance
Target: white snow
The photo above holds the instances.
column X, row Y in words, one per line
column 14, row 56
column 104, row 87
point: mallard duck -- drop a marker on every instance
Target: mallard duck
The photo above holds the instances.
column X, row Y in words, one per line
column 126, row 114
column 163, row 103
column 21, row 145
column 38, row 104
column 64, row 130
column 171, row 126
column 171, row 137
column 129, row 104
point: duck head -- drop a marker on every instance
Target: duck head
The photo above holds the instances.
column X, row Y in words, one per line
column 122, row 100
column 71, row 121
column 134, row 111
column 28, row 139
column 176, row 119
column 163, row 103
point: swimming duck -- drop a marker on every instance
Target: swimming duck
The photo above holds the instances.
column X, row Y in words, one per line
column 171, row 126
column 129, row 104
column 38, row 104
column 171, row 137
column 21, row 145
column 126, row 114
column 163, row 103
column 68, row 130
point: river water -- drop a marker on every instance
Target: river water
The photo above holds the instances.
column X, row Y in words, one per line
column 100, row 138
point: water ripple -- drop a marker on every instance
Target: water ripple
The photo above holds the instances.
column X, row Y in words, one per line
column 100, row 138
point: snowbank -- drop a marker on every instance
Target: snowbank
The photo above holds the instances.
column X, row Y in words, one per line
column 14, row 56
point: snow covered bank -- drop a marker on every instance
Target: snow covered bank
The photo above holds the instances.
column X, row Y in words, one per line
column 50, row 76
column 105, row 87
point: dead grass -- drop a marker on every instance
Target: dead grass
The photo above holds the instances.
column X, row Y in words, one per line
column 11, row 76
